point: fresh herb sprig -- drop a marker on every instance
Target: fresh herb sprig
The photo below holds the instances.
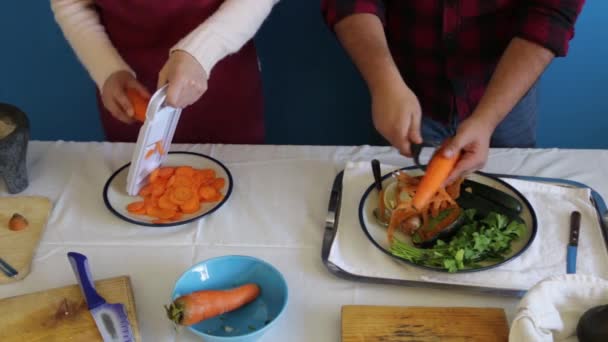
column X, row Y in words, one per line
column 488, row 239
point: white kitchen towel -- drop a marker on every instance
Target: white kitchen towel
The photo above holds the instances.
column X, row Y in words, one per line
column 354, row 253
column 550, row 311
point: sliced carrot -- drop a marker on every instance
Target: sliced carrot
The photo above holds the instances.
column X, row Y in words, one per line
column 146, row 190
column 191, row 206
column 166, row 172
column 179, row 180
column 197, row 180
column 165, row 203
column 158, row 188
column 207, row 173
column 154, row 175
column 218, row 183
column 150, row 202
column 160, row 212
column 138, row 207
column 181, row 194
column 187, row 171
column 150, row 153
column 207, row 193
column 159, row 147
column 174, row 191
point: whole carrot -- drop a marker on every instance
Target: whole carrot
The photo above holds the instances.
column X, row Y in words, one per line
column 436, row 173
column 201, row 305
column 139, row 103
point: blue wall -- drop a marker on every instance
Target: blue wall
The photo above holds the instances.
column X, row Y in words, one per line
column 313, row 93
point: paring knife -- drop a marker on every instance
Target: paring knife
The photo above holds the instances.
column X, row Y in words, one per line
column 7, row 269
column 111, row 319
column 575, row 224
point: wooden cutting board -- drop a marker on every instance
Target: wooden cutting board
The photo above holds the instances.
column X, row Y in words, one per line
column 18, row 247
column 61, row 314
column 392, row 324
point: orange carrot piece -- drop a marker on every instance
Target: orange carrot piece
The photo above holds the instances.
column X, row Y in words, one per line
column 201, row 305
column 207, row 193
column 150, row 153
column 207, row 173
column 146, row 190
column 139, row 103
column 136, row 207
column 159, row 147
column 191, row 206
column 218, row 183
column 17, row 222
column 436, row 173
column 179, row 180
column 160, row 213
column 186, row 171
column 158, row 188
column 154, row 175
column 197, row 180
column 181, row 194
column 178, row 216
column 165, row 203
column 166, row 172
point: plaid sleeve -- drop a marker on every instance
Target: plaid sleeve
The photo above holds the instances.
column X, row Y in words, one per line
column 336, row 10
column 550, row 23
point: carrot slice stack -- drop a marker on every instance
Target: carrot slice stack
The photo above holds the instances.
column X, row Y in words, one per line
column 173, row 192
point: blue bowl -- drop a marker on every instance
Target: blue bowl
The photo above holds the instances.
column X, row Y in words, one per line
column 249, row 322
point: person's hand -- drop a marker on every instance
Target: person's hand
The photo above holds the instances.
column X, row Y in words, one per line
column 396, row 114
column 114, row 95
column 472, row 140
column 186, row 77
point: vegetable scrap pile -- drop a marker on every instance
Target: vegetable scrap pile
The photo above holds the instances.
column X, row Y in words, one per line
column 488, row 239
column 428, row 221
column 174, row 191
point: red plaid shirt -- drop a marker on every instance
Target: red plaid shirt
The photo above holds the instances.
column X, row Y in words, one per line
column 447, row 50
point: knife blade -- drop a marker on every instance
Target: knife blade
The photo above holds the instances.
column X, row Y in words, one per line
column 7, row 269
column 575, row 224
column 111, row 319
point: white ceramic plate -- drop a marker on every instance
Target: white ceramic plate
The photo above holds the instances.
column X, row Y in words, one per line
column 377, row 233
column 116, row 198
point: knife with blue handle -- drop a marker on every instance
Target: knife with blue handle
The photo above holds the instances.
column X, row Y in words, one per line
column 7, row 269
column 575, row 225
column 111, row 319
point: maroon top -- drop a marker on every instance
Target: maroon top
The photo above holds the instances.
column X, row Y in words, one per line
column 143, row 32
column 447, row 50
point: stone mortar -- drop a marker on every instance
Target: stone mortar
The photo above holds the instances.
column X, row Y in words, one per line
column 13, row 149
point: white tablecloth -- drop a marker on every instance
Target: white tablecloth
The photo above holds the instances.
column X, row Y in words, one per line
column 276, row 213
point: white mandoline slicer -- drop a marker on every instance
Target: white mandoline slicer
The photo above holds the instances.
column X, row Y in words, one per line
column 159, row 127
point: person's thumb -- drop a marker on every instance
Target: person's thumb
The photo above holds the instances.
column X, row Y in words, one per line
column 453, row 146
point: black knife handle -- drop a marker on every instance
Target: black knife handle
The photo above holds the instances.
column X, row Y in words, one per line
column 377, row 174
column 575, row 224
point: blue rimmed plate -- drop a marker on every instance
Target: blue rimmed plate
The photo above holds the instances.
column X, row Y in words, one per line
column 116, row 198
column 377, row 234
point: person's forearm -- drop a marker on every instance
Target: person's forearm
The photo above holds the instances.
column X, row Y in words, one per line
column 226, row 31
column 82, row 28
column 362, row 35
column 518, row 69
